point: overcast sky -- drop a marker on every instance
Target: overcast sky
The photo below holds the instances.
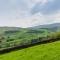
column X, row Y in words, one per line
column 26, row 13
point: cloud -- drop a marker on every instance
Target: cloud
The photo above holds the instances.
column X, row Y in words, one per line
column 48, row 8
column 41, row 1
column 27, row 13
column 38, row 19
column 34, row 20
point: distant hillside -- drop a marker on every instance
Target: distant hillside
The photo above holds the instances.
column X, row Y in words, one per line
column 15, row 36
column 53, row 27
column 47, row 25
column 3, row 29
column 9, row 28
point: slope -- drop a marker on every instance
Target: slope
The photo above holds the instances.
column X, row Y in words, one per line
column 49, row 51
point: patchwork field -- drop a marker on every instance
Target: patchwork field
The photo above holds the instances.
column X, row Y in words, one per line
column 11, row 37
column 49, row 51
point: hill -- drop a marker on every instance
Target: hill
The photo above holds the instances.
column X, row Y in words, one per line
column 15, row 36
column 3, row 29
column 51, row 27
column 11, row 37
column 47, row 25
column 49, row 51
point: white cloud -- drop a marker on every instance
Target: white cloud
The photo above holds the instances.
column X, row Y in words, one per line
column 13, row 1
column 34, row 20
column 56, row 17
column 42, row 1
column 20, row 16
column 37, row 19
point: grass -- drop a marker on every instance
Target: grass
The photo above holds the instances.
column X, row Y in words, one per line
column 9, row 36
column 49, row 51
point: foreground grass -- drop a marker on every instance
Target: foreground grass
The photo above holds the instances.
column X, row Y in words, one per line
column 49, row 51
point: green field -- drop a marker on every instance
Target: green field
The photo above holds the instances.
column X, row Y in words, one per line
column 15, row 36
column 11, row 37
column 49, row 51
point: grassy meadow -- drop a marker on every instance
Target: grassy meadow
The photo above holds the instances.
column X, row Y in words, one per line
column 14, row 36
column 49, row 51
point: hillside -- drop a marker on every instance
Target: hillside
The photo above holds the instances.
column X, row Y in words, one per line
column 3, row 29
column 53, row 25
column 13, row 36
column 49, row 51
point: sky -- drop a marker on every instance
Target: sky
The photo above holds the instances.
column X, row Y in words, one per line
column 27, row 13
